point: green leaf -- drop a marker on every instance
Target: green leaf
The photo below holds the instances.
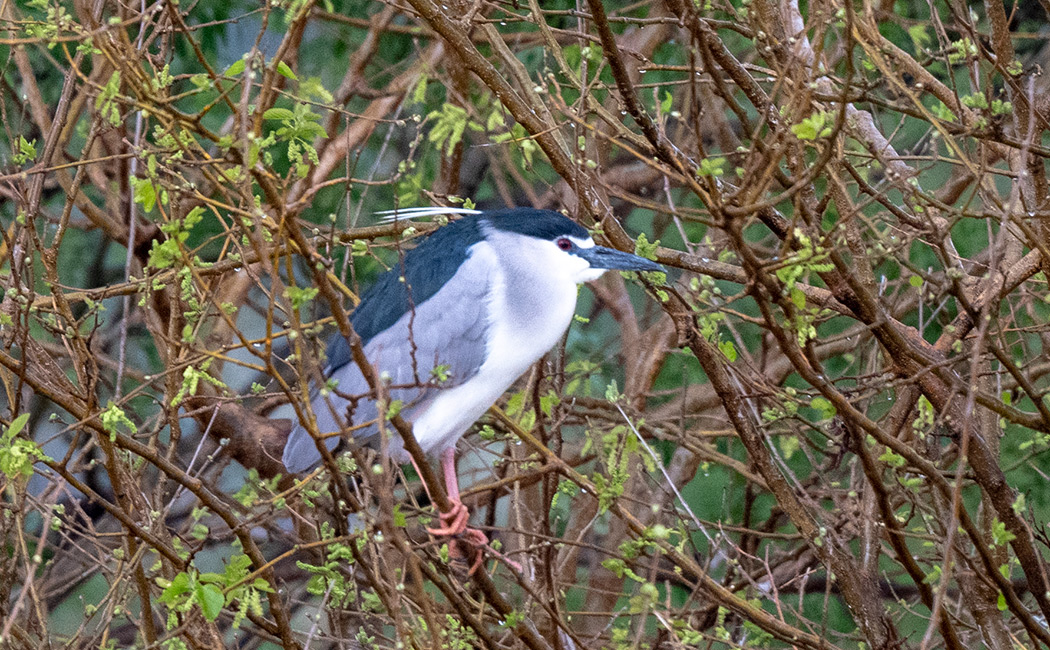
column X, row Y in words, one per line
column 919, row 36
column 300, row 296
column 278, row 114
column 441, row 372
column 1000, row 535
column 285, row 71
column 163, row 254
column 419, row 93
column 892, row 459
column 314, row 87
column 643, row 248
column 106, row 102
column 961, row 50
column 713, row 167
column 113, row 417
column 1018, row 505
column 179, row 585
column 262, row 585
column 310, row 130
column 211, row 600
column 943, row 112
column 191, row 378
column 826, row 408
column 25, row 151
column 975, row 100
column 449, row 124
column 17, row 455
column 495, row 119
column 235, row 69
column 933, row 576
column 548, row 402
column 144, row 192
column 728, row 349
column 17, row 425
column 813, row 127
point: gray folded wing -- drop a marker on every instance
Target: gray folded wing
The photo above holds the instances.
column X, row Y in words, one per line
column 445, row 335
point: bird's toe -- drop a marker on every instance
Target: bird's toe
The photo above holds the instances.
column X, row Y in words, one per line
column 453, row 522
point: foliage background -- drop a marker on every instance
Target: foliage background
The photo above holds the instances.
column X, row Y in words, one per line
column 827, row 429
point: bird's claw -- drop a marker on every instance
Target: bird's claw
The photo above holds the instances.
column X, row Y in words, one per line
column 454, row 526
column 453, row 522
column 476, row 543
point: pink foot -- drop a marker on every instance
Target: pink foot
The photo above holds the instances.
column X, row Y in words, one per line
column 473, row 543
column 466, row 543
column 453, row 522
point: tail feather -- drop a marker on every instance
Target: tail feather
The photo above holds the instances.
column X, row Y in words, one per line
column 300, row 452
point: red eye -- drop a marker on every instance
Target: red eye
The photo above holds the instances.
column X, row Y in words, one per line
column 564, row 244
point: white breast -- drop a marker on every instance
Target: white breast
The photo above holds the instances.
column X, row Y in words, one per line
column 531, row 303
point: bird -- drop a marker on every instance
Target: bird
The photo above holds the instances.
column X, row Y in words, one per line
column 450, row 328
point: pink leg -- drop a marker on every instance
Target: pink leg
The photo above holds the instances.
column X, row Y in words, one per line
column 465, row 541
column 454, row 522
column 448, row 467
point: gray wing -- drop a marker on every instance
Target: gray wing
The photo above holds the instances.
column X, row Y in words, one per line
column 444, row 335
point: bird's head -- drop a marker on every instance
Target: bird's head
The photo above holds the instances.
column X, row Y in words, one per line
column 540, row 239
column 562, row 245
column 587, row 261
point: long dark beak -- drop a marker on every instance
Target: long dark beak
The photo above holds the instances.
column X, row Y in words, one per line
column 614, row 260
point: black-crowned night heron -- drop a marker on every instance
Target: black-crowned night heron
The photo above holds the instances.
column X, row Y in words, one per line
column 452, row 326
